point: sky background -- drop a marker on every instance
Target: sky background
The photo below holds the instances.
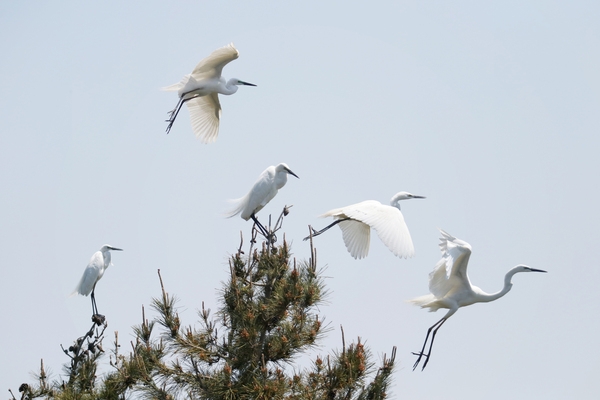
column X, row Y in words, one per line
column 490, row 109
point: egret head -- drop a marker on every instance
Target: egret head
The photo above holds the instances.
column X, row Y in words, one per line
column 283, row 167
column 107, row 247
column 403, row 196
column 525, row 268
column 238, row 82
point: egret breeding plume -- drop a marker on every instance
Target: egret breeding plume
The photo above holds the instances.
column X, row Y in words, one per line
column 200, row 89
column 451, row 288
column 356, row 222
column 265, row 188
column 93, row 273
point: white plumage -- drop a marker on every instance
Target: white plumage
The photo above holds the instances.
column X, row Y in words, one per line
column 94, row 271
column 200, row 89
column 451, row 288
column 264, row 189
column 356, row 221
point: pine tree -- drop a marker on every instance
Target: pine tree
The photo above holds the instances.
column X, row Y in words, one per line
column 266, row 319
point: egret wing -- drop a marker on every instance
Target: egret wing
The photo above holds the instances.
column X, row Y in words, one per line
column 388, row 222
column 205, row 114
column 450, row 272
column 91, row 275
column 356, row 234
column 212, row 66
column 261, row 193
column 357, row 237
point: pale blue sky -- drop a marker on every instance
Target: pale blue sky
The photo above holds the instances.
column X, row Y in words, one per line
column 488, row 109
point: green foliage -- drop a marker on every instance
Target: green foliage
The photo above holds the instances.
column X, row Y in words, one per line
column 266, row 319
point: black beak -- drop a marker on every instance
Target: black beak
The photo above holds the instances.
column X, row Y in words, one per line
column 418, row 197
column 289, row 171
column 114, row 248
column 536, row 270
column 246, row 83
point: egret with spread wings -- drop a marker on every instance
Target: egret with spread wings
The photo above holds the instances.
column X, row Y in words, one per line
column 356, row 222
column 451, row 288
column 200, row 91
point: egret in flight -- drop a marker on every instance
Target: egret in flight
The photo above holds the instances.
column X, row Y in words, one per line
column 93, row 273
column 451, row 288
column 200, row 89
column 265, row 188
column 356, row 222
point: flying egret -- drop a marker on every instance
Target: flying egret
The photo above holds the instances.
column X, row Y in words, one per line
column 265, row 188
column 451, row 288
column 356, row 222
column 200, row 89
column 93, row 273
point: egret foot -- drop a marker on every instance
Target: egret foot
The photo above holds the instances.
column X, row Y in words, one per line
column 317, row 233
column 419, row 360
column 314, row 233
column 98, row 319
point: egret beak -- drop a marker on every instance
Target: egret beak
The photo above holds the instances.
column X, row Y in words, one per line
column 414, row 196
column 246, row 83
column 536, row 270
column 114, row 248
column 289, row 171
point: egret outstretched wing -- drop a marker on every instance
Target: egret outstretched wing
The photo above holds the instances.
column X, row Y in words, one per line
column 212, row 66
column 200, row 91
column 205, row 114
column 450, row 272
column 387, row 221
column 357, row 238
column 451, row 288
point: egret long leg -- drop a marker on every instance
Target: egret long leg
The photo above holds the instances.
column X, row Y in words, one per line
column 433, row 328
column 94, row 306
column 174, row 110
column 260, row 226
column 173, row 113
column 431, row 343
column 317, row 233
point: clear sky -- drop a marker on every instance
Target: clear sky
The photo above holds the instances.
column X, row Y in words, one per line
column 490, row 109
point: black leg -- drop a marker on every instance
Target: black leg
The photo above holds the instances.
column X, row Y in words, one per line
column 173, row 113
column 260, row 226
column 94, row 307
column 433, row 328
column 317, row 233
column 97, row 318
column 431, row 344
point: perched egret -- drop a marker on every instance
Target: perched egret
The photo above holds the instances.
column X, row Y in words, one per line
column 451, row 288
column 200, row 89
column 93, row 273
column 356, row 222
column 265, row 188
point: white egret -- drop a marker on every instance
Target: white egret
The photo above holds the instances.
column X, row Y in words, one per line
column 200, row 89
column 356, row 222
column 93, row 273
column 265, row 188
column 451, row 288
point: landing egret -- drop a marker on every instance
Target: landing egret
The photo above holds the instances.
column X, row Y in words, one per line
column 451, row 288
column 356, row 222
column 200, row 89
column 266, row 187
column 93, row 273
